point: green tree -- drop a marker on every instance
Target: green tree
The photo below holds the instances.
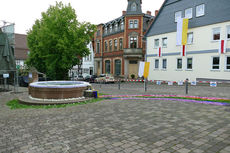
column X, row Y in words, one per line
column 58, row 41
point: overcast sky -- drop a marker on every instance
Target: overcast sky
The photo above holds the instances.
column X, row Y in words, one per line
column 24, row 12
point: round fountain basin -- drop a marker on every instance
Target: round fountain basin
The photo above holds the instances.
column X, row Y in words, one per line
column 57, row 89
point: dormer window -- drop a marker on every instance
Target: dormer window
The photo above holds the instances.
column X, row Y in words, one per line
column 188, row 13
column 134, row 7
column 122, row 25
column 105, row 30
column 111, row 29
column 116, row 27
column 178, row 15
column 200, row 10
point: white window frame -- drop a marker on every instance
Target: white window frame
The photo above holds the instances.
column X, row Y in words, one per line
column 131, row 26
column 213, row 32
column 164, row 68
column 120, row 43
column 190, row 15
column 187, row 63
column 177, row 17
column 106, row 46
column 155, row 43
column 155, row 64
column 122, row 25
column 215, row 65
column 226, row 64
column 164, row 45
column 228, row 32
column 110, row 29
column 98, row 47
column 130, row 40
column 116, row 27
column 189, row 43
column 135, row 24
column 115, row 41
column 134, row 7
column 198, row 14
column 177, row 64
column 110, row 45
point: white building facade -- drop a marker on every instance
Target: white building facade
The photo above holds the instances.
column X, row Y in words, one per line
column 208, row 27
column 87, row 67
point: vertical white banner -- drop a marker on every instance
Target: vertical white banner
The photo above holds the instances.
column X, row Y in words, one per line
column 179, row 31
column 141, row 69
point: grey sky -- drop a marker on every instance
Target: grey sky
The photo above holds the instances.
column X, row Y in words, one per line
column 24, row 12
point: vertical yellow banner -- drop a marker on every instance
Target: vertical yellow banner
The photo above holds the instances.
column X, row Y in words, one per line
column 184, row 31
column 146, row 71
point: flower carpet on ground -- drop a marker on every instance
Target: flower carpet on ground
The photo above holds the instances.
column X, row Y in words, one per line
column 181, row 98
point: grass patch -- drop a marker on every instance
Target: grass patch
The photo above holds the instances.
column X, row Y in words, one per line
column 101, row 94
column 198, row 99
column 14, row 104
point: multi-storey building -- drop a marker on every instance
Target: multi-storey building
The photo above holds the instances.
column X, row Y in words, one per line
column 208, row 41
column 21, row 50
column 87, row 65
column 119, row 45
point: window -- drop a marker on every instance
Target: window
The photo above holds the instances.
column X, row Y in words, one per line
column 178, row 15
column 98, row 47
column 117, row 67
column 228, row 63
column 200, row 10
column 105, row 30
column 215, row 63
column 135, row 23
column 156, row 63
column 98, row 32
column 110, row 45
column 107, row 66
column 188, row 13
column 156, row 43
column 164, row 42
column 121, row 43
column 189, row 63
column 116, row 27
column 106, row 46
column 228, row 32
column 115, row 44
column 179, row 63
column 133, row 42
column 130, row 23
column 190, row 38
column 134, row 7
column 111, row 29
column 164, row 63
column 216, row 34
column 122, row 25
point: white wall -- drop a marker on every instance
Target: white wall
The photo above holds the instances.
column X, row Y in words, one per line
column 202, row 63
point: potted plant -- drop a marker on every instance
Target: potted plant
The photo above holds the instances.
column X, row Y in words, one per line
column 132, row 76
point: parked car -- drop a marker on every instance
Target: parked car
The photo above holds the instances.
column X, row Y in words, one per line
column 105, row 78
column 90, row 78
column 80, row 78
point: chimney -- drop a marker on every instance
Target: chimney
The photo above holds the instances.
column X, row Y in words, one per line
column 149, row 13
column 123, row 12
column 156, row 12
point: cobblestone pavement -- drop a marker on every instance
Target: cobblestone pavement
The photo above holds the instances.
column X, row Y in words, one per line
column 118, row 126
column 222, row 90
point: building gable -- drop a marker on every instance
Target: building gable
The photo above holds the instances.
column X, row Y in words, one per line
column 216, row 11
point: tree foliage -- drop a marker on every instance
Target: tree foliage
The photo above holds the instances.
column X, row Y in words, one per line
column 58, row 40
